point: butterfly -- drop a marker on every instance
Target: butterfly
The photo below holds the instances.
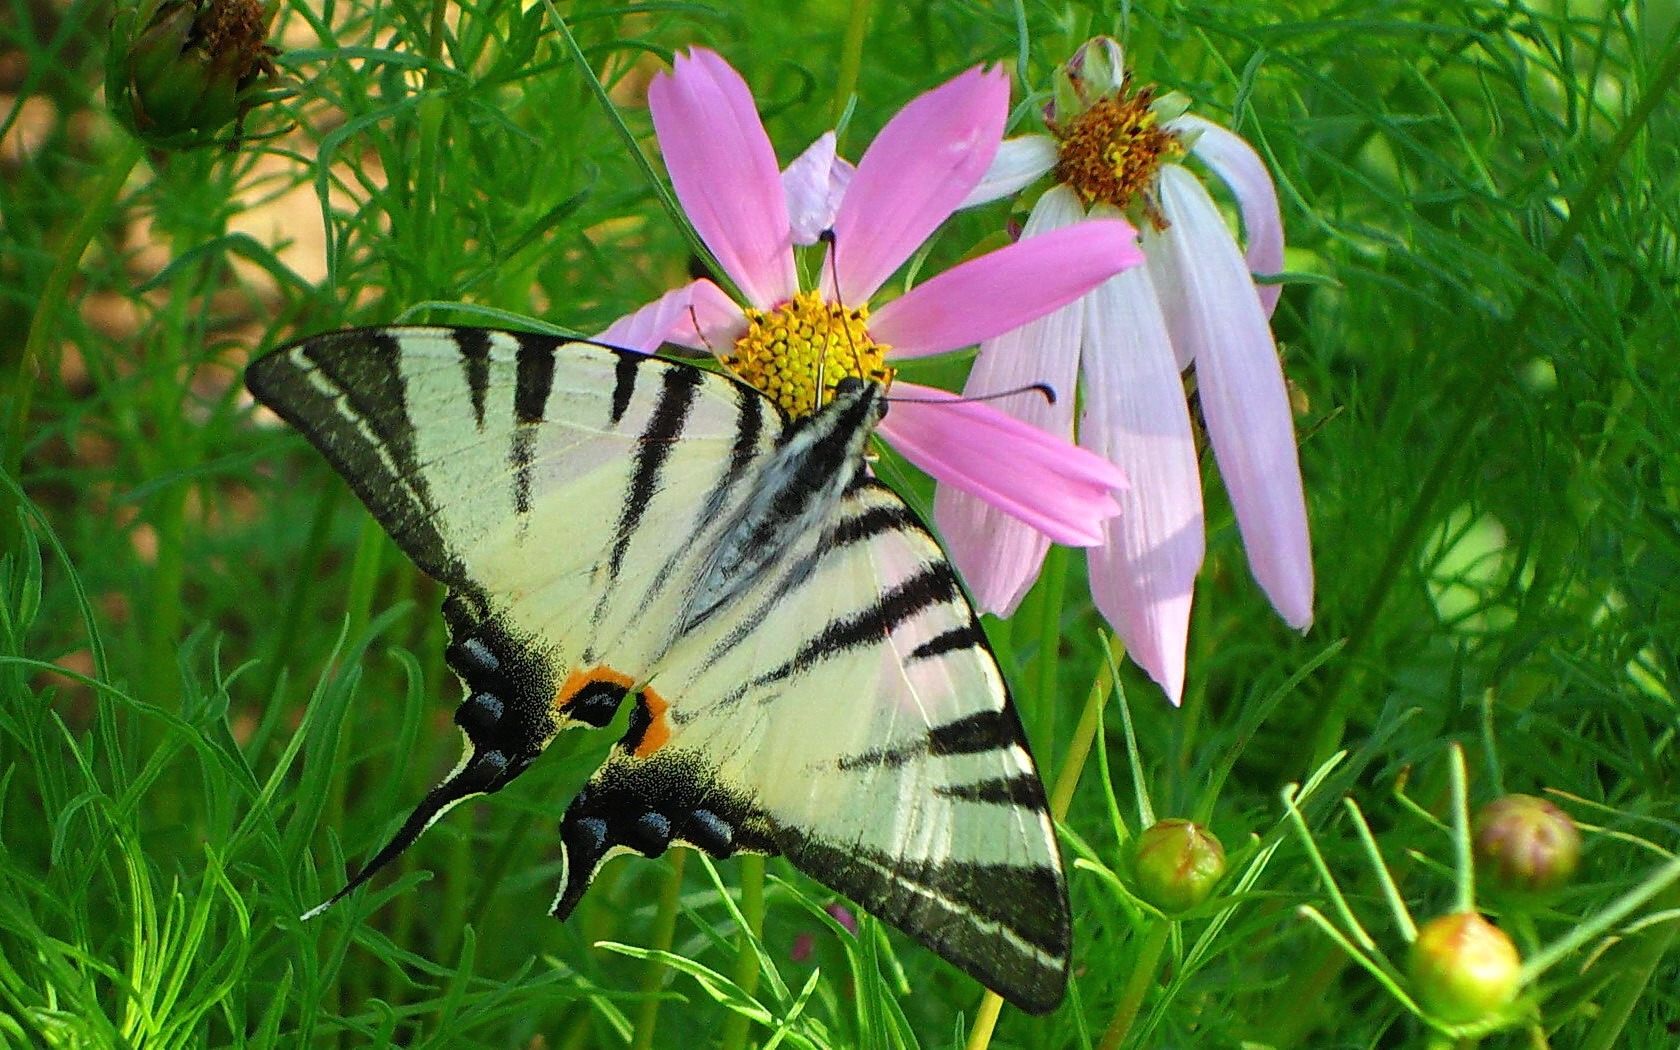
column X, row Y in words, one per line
column 807, row 677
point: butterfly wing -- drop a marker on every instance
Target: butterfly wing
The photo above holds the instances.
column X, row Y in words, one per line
column 807, row 677
column 569, row 496
column 849, row 715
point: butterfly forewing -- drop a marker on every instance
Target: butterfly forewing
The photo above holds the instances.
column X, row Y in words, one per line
column 806, row 674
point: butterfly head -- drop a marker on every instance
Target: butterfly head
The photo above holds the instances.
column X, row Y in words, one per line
column 800, row 352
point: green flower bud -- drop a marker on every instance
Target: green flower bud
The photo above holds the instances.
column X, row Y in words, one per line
column 1526, row 844
column 1176, row 864
column 1464, row 968
column 180, row 71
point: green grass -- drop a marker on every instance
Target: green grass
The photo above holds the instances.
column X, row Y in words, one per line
column 221, row 686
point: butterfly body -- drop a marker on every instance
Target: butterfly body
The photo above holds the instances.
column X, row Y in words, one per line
column 807, row 677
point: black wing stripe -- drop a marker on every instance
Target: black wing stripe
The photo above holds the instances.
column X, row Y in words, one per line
column 935, row 583
column 749, row 422
column 890, row 517
column 847, row 532
column 1024, row 791
column 533, row 382
column 653, row 448
column 968, row 636
column 474, row 344
column 624, row 383
column 980, row 731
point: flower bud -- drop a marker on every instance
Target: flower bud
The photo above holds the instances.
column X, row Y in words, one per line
column 1176, row 864
column 1526, row 844
column 1464, row 968
column 179, row 71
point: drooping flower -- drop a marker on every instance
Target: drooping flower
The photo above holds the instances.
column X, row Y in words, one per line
column 180, row 71
column 1115, row 150
column 796, row 341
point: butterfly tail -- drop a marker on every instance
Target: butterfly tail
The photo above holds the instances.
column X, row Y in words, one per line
column 481, row 771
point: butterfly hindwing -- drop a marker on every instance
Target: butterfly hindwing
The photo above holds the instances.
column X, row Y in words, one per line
column 874, row 747
column 807, row 676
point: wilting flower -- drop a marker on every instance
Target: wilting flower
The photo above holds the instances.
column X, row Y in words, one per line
column 179, row 71
column 795, row 342
column 1113, row 151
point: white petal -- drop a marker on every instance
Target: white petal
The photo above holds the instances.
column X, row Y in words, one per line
column 1238, row 166
column 1019, row 162
column 997, row 553
column 814, row 184
column 1215, row 317
column 1143, row 578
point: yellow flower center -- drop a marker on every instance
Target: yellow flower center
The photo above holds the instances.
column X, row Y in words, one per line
column 1112, row 152
column 788, row 351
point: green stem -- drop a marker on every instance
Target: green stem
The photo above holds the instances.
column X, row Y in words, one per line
column 985, row 1020
column 1147, row 965
column 1085, row 735
column 664, row 931
column 1624, row 992
column 851, row 60
column 54, row 297
column 1473, row 412
column 1052, row 587
column 746, row 962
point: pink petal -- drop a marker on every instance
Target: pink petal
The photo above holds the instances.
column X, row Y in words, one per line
column 1020, row 162
column 1057, row 488
column 1005, row 289
column 724, row 172
column 672, row 318
column 815, row 183
column 913, row 176
column 1221, row 324
column 1239, row 167
column 1144, row 576
column 997, row 553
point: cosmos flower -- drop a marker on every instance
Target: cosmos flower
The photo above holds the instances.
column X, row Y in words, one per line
column 1118, row 151
column 788, row 336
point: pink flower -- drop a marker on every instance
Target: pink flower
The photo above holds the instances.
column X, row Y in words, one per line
column 921, row 166
column 1193, row 302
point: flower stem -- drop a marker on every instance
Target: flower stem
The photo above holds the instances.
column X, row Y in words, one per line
column 1473, row 411
column 985, row 1019
column 664, row 931
column 746, row 963
column 42, row 327
column 851, row 60
column 1052, row 589
column 1137, row 984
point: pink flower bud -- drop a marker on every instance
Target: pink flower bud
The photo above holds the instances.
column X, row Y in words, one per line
column 1527, row 845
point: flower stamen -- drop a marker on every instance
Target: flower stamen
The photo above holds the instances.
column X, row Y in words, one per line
column 790, row 349
column 1112, row 152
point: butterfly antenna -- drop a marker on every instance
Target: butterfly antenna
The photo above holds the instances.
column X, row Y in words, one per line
column 1045, row 389
column 694, row 319
column 459, row 786
column 827, row 237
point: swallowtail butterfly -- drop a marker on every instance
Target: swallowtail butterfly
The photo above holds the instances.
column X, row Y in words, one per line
column 808, row 678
